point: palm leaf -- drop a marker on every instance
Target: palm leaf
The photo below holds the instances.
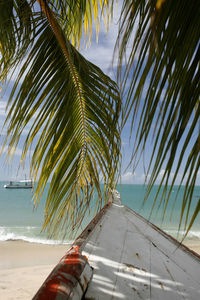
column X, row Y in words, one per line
column 20, row 18
column 16, row 30
column 162, row 88
column 71, row 106
column 77, row 17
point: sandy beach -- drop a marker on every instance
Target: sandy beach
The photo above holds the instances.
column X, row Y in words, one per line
column 24, row 266
column 193, row 245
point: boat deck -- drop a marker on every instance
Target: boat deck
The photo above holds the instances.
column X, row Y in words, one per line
column 130, row 259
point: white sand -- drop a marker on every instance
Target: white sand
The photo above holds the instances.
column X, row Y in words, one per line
column 22, row 283
column 25, row 266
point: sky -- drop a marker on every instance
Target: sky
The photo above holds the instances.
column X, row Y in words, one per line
column 101, row 54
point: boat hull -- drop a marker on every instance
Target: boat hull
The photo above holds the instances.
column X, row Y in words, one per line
column 18, row 187
column 131, row 259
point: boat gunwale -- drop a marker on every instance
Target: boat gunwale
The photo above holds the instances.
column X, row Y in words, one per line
column 166, row 235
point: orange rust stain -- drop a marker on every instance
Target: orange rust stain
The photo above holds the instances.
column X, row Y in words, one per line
column 56, row 284
column 137, row 254
column 161, row 285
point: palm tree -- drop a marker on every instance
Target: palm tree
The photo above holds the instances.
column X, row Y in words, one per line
column 65, row 92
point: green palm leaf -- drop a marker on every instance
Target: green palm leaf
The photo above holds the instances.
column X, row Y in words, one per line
column 162, row 87
column 77, row 17
column 72, row 105
column 20, row 18
column 16, row 30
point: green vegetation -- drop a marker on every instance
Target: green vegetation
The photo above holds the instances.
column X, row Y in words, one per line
column 75, row 108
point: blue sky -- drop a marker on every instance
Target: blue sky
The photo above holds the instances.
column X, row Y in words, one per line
column 100, row 54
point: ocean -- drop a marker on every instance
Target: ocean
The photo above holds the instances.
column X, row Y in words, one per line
column 19, row 221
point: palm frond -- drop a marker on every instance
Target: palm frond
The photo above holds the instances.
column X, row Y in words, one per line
column 162, row 88
column 77, row 17
column 19, row 19
column 16, row 31
column 72, row 105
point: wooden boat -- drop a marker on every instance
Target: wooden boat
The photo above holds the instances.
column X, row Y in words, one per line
column 22, row 184
column 120, row 255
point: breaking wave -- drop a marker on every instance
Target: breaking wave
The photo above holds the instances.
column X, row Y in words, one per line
column 29, row 234
column 192, row 235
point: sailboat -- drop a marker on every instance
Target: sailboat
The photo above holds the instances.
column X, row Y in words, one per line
column 121, row 255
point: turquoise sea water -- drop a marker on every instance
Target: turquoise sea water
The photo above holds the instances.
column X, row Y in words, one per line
column 18, row 220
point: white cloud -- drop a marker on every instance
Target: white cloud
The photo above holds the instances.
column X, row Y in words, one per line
column 178, row 178
column 3, row 108
column 128, row 177
column 17, row 151
column 135, row 178
column 161, row 173
column 141, row 178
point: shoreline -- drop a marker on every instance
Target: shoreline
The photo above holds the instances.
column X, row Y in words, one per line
column 24, row 266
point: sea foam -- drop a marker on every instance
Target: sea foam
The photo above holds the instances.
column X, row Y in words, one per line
column 15, row 234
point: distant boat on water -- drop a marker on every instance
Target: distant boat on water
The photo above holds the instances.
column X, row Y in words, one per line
column 22, row 184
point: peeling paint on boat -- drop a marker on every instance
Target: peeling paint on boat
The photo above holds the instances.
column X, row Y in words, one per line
column 68, row 280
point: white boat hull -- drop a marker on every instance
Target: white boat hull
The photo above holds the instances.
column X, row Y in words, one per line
column 22, row 184
column 18, row 186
